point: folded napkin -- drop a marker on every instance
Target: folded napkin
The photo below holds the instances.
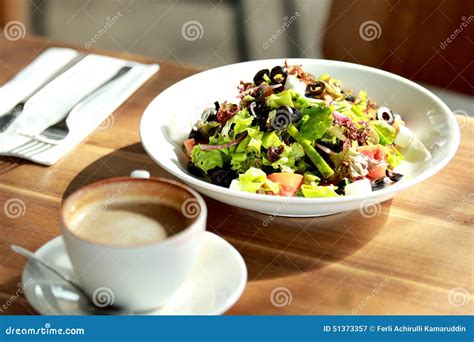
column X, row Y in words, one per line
column 62, row 95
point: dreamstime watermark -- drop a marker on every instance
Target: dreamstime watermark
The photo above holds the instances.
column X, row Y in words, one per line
column 14, row 208
column 47, row 329
column 458, row 297
column 377, row 288
column 370, row 208
column 280, row 297
column 287, row 21
column 464, row 24
column 275, row 213
column 103, row 297
column 370, row 30
column 462, row 118
column 467, row 199
column 89, row 219
column 191, row 208
column 109, row 22
column 21, row 289
column 107, row 123
column 14, row 30
column 192, row 30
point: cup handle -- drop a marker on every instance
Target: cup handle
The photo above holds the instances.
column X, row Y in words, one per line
column 140, row 174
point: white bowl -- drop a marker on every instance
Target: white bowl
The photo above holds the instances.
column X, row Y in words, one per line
column 170, row 116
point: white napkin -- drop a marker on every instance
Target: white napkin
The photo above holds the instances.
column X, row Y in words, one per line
column 51, row 103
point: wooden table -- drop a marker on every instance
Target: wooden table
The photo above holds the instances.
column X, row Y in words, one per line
column 414, row 257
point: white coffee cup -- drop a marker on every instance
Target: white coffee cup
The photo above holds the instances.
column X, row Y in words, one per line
column 139, row 277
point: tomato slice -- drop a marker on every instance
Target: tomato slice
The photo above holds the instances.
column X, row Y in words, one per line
column 188, row 145
column 290, row 183
column 375, row 153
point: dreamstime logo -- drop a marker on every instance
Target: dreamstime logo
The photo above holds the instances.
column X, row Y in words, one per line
column 21, row 290
column 107, row 123
column 14, row 208
column 467, row 199
column 275, row 213
column 370, row 30
column 281, row 120
column 458, row 297
column 370, row 208
column 280, row 297
column 464, row 24
column 102, row 297
column 377, row 288
column 109, row 22
column 191, row 208
column 462, row 117
column 192, row 30
column 287, row 21
column 14, row 30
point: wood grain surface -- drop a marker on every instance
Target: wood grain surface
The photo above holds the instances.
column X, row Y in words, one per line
column 413, row 256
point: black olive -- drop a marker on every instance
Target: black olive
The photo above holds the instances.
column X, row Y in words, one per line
column 222, row 177
column 394, row 177
column 385, row 114
column 379, row 183
column 283, row 118
column 315, row 89
column 262, row 123
column 278, row 75
column 217, row 106
column 350, row 98
column 296, row 115
column 261, row 107
column 258, row 78
column 195, row 134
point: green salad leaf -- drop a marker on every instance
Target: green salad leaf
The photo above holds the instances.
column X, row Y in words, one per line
column 207, row 160
column 237, row 124
column 255, row 180
column 315, row 122
column 284, row 98
column 385, row 132
column 313, row 190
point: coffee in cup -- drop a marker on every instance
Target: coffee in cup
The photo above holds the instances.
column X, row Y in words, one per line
column 131, row 241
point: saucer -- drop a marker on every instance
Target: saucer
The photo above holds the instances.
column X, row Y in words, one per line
column 216, row 282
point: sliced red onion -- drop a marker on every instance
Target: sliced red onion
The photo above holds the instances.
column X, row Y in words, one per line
column 325, row 149
column 229, row 144
column 340, row 117
column 252, row 109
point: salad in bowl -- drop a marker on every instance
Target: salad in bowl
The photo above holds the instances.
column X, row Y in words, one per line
column 300, row 137
column 291, row 133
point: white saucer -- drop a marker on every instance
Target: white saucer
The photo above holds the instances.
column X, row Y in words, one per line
column 214, row 285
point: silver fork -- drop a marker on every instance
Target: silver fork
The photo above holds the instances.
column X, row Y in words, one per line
column 54, row 134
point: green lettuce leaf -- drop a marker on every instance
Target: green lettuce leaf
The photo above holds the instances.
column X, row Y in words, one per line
column 284, row 98
column 254, row 180
column 385, row 132
column 271, row 139
column 207, row 160
column 315, row 122
column 319, row 191
column 235, row 125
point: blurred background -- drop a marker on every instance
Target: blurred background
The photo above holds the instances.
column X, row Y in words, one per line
column 428, row 41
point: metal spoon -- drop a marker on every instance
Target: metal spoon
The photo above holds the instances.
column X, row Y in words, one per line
column 91, row 306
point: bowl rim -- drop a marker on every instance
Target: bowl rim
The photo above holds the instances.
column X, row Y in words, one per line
column 389, row 191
